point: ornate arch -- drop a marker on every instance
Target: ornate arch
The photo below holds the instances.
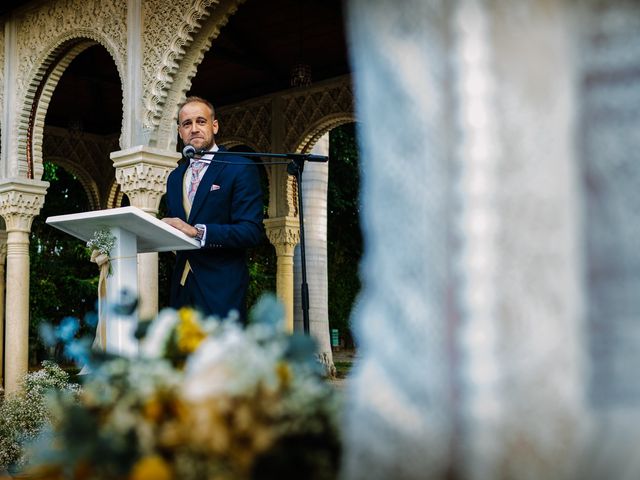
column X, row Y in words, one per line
column 115, row 196
column 84, row 177
column 319, row 128
column 235, row 141
column 39, row 89
column 171, row 77
column 324, row 102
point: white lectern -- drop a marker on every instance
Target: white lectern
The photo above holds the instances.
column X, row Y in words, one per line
column 135, row 232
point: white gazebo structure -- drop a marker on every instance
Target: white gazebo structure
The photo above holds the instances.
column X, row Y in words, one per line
column 93, row 86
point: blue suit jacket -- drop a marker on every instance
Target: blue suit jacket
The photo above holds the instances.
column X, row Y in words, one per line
column 229, row 202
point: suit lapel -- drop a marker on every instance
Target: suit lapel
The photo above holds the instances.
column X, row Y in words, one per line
column 175, row 189
column 209, row 177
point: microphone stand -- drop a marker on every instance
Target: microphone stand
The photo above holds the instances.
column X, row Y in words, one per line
column 295, row 166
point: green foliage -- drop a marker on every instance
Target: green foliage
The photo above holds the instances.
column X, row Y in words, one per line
column 261, row 260
column 262, row 273
column 343, row 229
column 23, row 415
column 63, row 281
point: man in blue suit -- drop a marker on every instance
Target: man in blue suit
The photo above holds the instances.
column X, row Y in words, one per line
column 219, row 202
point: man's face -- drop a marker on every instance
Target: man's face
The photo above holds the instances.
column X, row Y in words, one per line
column 195, row 126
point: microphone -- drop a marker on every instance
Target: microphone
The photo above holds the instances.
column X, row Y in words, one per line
column 189, row 151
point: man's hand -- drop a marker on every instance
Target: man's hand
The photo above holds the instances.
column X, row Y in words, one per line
column 181, row 225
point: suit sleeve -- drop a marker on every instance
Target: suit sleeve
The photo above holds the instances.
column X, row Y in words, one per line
column 245, row 228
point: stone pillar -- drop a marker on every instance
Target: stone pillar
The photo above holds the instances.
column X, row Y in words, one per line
column 142, row 174
column 3, row 258
column 315, row 179
column 284, row 235
column 20, row 201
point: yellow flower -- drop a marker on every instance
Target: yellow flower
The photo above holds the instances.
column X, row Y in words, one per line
column 151, row 467
column 189, row 332
column 153, row 409
column 283, row 370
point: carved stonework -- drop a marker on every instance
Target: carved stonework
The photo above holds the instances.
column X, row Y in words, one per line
column 248, row 124
column 306, row 109
column 20, row 201
column 179, row 82
column 142, row 174
column 144, row 184
column 52, row 23
column 283, row 233
column 48, row 38
column 169, row 33
column 86, row 156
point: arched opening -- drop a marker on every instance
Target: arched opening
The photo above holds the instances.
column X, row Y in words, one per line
column 83, row 121
column 62, row 280
column 82, row 127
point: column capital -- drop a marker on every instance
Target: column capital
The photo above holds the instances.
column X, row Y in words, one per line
column 142, row 173
column 20, row 200
column 283, row 233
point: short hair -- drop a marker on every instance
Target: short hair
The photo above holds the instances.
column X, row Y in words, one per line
column 195, row 99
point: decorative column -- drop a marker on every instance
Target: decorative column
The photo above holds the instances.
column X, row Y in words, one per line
column 142, row 174
column 284, row 235
column 20, row 201
column 315, row 179
column 3, row 258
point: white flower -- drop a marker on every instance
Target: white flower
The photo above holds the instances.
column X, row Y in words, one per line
column 155, row 341
column 231, row 362
column 103, row 241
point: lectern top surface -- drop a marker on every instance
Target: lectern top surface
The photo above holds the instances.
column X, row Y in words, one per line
column 152, row 234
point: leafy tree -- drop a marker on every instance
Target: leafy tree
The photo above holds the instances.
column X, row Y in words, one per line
column 344, row 237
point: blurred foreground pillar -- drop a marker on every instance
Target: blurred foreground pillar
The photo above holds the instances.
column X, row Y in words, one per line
column 495, row 311
column 399, row 420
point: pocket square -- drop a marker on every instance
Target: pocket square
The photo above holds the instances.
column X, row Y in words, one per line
column 214, row 187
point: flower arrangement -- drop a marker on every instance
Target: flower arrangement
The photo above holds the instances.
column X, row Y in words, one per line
column 99, row 246
column 24, row 414
column 102, row 241
column 203, row 399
